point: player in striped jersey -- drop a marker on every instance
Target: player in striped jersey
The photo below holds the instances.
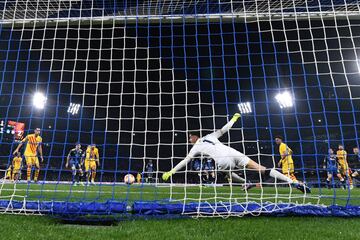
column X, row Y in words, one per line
column 343, row 165
column 33, row 146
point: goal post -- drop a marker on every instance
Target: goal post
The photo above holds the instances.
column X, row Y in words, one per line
column 129, row 80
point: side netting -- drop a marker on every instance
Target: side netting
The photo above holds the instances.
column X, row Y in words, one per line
column 130, row 81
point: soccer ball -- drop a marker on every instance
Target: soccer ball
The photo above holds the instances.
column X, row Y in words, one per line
column 129, row 179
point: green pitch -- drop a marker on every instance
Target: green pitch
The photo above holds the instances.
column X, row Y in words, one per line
column 38, row 227
column 176, row 193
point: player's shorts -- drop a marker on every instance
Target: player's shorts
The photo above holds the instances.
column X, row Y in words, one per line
column 343, row 169
column 16, row 169
column 333, row 171
column 233, row 160
column 90, row 164
column 287, row 168
column 74, row 163
column 32, row 160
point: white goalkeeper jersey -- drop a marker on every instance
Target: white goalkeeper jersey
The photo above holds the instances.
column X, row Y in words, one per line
column 224, row 156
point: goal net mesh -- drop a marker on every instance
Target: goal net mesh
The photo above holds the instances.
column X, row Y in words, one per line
column 134, row 77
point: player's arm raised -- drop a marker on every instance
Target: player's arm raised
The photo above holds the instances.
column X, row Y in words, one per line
column 227, row 126
column 20, row 145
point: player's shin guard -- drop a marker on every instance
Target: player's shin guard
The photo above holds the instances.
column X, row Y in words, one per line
column 37, row 171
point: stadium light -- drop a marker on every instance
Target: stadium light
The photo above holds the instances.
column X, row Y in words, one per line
column 245, row 107
column 285, row 100
column 39, row 100
column 74, row 108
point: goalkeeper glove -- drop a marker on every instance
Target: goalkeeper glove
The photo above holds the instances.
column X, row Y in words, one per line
column 167, row 175
column 235, row 117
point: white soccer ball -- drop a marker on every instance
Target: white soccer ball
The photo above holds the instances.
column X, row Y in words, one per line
column 129, row 179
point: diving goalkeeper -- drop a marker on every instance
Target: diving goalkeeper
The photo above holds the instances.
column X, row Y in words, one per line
column 227, row 158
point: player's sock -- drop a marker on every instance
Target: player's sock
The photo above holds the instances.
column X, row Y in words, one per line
column 343, row 183
column 328, row 183
column 88, row 177
column 12, row 176
column 237, row 178
column 93, row 174
column 80, row 177
column 37, row 171
column 28, row 173
column 350, row 180
column 277, row 175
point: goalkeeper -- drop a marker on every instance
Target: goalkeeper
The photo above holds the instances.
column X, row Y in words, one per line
column 227, row 158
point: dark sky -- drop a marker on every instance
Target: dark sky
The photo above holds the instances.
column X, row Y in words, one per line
column 139, row 84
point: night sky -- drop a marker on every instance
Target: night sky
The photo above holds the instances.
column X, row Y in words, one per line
column 142, row 86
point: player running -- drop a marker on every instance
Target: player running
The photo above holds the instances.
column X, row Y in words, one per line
column 227, row 158
column 74, row 160
column 33, row 146
column 331, row 165
column 286, row 162
column 343, row 166
column 91, row 161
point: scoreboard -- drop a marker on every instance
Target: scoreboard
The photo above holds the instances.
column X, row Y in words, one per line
column 11, row 130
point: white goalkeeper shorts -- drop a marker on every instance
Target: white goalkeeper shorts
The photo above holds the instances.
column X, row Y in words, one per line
column 233, row 160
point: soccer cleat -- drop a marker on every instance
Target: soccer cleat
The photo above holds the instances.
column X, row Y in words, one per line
column 81, row 183
column 351, row 187
column 74, row 184
column 92, row 182
column 247, row 186
column 303, row 188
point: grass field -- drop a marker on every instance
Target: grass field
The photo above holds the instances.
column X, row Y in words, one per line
column 191, row 193
column 41, row 227
column 44, row 227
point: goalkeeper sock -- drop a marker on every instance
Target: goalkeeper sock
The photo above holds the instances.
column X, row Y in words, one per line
column 28, row 173
column 37, row 171
column 93, row 174
column 277, row 175
column 237, row 178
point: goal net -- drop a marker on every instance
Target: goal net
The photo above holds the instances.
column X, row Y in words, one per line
column 129, row 80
